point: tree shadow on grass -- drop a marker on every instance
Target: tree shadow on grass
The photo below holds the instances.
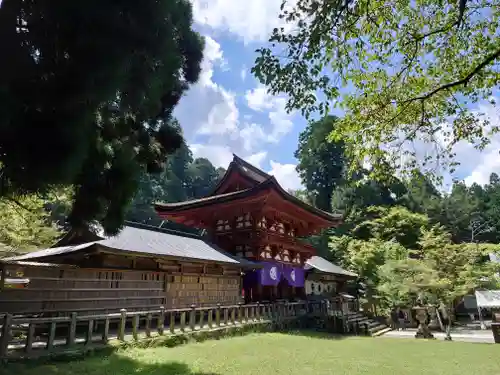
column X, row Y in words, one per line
column 115, row 364
column 324, row 335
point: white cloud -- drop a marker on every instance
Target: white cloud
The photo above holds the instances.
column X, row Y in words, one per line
column 208, row 108
column 477, row 165
column 481, row 174
column 221, row 156
column 223, row 116
column 286, row 175
column 481, row 164
column 257, row 159
column 250, row 20
column 243, row 73
column 259, row 100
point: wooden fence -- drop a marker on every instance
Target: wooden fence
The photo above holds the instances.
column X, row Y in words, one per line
column 29, row 337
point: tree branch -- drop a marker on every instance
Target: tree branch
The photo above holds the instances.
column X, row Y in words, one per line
column 488, row 60
column 17, row 203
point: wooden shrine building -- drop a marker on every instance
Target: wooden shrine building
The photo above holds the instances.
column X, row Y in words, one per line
column 139, row 269
column 251, row 216
column 325, row 279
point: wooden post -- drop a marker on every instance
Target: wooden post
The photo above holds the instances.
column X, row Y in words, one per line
column 233, row 315
column 202, row 319
column 90, row 329
column 192, row 318
column 149, row 318
column 210, row 318
column 226, row 315
column 123, row 322
column 135, row 326
column 72, row 330
column 240, row 313
column 258, row 311
column 30, row 338
column 105, row 334
column 217, row 315
column 171, row 325
column 52, row 336
column 161, row 320
column 245, row 310
column 6, row 327
column 183, row 321
column 3, row 268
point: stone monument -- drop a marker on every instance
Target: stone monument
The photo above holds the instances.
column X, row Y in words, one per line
column 423, row 331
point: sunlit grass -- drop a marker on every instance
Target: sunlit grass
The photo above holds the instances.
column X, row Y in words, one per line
column 274, row 354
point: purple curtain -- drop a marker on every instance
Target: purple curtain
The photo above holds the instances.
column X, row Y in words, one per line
column 294, row 276
column 250, row 279
column 270, row 273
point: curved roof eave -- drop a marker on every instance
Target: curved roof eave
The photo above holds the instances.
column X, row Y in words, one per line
column 269, row 182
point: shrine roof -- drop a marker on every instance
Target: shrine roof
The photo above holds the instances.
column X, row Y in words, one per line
column 323, row 265
column 269, row 183
column 142, row 239
column 245, row 169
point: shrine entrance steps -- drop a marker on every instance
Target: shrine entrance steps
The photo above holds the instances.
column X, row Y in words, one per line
column 375, row 327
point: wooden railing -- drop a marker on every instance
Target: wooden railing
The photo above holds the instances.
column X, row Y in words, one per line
column 28, row 336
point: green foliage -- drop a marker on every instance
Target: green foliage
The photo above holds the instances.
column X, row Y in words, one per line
column 25, row 224
column 395, row 223
column 304, row 195
column 86, row 98
column 184, row 178
column 401, row 256
column 398, row 69
column 402, row 281
column 365, row 257
column 460, row 267
column 321, row 164
column 203, row 177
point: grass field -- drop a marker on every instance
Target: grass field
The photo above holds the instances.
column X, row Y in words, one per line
column 275, row 354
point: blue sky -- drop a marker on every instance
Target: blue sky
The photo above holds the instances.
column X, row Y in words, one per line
column 228, row 111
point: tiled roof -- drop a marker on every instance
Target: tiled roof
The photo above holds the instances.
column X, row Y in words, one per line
column 323, row 265
column 151, row 242
column 248, row 169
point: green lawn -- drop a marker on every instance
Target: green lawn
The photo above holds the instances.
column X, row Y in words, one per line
column 275, row 354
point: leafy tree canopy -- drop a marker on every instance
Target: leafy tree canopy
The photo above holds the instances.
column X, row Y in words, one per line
column 25, row 223
column 395, row 223
column 400, row 256
column 399, row 70
column 184, row 178
column 321, row 164
column 87, row 90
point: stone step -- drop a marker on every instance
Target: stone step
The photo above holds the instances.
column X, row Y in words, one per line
column 381, row 331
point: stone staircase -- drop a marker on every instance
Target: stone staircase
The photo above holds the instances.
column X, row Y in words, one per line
column 375, row 327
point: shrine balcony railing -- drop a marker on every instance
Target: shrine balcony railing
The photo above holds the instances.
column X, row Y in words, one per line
column 294, row 243
column 32, row 337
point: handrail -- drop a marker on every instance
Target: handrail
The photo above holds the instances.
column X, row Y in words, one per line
column 129, row 325
column 133, row 323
